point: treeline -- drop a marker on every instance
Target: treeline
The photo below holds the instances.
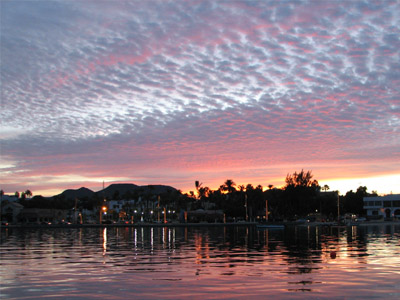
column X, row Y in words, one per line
column 302, row 195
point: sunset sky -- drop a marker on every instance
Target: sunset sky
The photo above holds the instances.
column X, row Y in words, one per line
column 170, row 92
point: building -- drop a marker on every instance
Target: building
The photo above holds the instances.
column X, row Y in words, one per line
column 9, row 198
column 40, row 215
column 10, row 212
column 120, row 208
column 383, row 206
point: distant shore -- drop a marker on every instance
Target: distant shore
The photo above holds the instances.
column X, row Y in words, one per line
column 137, row 225
column 144, row 224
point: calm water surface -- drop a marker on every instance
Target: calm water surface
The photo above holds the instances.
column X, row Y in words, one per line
column 201, row 263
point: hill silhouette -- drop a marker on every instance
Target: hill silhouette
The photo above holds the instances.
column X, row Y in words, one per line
column 118, row 190
column 122, row 189
column 79, row 193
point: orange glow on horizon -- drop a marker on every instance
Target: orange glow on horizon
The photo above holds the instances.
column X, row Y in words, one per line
column 383, row 184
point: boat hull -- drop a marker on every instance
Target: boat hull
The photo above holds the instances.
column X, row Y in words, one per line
column 270, row 226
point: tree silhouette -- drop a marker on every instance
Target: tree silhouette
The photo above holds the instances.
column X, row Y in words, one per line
column 203, row 192
column 229, row 186
column 353, row 202
column 301, row 179
column 198, row 185
column 301, row 191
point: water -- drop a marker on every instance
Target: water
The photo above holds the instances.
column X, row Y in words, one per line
column 201, row 263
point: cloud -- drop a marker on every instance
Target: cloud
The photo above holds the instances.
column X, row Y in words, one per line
column 191, row 88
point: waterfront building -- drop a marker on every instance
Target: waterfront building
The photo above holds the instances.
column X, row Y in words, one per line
column 43, row 215
column 383, row 206
column 10, row 212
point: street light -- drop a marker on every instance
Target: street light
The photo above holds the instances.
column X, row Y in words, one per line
column 103, row 210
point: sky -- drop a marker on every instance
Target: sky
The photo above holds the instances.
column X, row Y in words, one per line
column 170, row 92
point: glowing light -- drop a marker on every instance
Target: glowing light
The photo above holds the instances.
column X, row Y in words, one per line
column 382, row 184
column 105, row 241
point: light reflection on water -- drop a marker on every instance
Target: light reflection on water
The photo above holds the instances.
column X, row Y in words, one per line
column 201, row 263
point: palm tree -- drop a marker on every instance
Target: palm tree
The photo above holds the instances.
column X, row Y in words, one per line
column 229, row 186
column 28, row 193
column 270, row 186
column 325, row 187
column 249, row 187
column 198, row 185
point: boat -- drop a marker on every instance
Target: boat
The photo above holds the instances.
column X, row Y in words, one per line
column 270, row 226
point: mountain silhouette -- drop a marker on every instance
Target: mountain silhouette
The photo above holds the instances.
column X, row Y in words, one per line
column 118, row 190
column 79, row 193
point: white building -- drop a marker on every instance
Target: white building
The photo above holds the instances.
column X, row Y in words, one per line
column 385, row 206
column 120, row 205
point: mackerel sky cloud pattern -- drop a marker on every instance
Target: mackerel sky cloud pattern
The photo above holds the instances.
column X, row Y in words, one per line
column 169, row 92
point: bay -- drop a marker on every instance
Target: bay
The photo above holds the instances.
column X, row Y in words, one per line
column 215, row 262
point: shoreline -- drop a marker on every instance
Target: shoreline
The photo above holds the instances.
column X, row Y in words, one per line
column 137, row 225
column 247, row 224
